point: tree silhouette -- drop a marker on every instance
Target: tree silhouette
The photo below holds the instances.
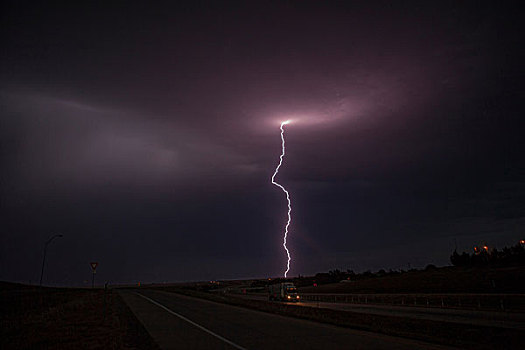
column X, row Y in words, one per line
column 513, row 256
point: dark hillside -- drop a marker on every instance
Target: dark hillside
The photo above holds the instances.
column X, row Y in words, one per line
column 439, row 280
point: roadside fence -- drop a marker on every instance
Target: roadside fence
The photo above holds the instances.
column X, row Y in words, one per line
column 489, row 302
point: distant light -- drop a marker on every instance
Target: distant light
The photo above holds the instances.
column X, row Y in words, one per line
column 522, row 241
column 485, row 247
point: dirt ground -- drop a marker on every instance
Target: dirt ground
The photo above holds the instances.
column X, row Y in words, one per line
column 63, row 318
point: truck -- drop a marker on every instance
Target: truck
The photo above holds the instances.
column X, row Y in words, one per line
column 285, row 291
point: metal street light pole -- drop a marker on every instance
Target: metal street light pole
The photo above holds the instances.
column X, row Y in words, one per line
column 45, row 252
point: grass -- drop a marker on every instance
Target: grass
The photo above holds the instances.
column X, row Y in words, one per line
column 445, row 333
column 67, row 318
column 439, row 280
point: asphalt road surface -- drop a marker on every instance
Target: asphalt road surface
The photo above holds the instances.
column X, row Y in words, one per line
column 179, row 322
column 511, row 320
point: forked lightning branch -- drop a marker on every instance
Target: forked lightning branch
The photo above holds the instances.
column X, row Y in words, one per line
column 287, row 198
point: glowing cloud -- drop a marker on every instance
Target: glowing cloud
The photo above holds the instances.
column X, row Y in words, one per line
column 287, row 198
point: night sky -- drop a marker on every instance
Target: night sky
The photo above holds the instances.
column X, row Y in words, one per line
column 147, row 136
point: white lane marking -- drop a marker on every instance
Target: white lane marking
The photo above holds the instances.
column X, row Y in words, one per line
column 193, row 323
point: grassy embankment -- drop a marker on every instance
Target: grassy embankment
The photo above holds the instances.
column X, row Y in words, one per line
column 439, row 280
column 67, row 318
column 495, row 289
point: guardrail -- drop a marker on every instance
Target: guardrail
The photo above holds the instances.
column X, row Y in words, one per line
column 489, row 302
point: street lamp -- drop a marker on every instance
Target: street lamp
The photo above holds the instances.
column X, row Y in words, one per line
column 45, row 251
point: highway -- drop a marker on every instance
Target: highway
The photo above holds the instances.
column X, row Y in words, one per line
column 180, row 322
column 481, row 318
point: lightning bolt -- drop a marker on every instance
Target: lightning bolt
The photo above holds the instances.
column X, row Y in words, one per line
column 287, row 198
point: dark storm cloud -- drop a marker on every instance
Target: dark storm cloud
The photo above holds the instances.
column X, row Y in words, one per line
column 147, row 134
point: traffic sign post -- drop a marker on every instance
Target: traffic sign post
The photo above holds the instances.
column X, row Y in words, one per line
column 94, row 268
